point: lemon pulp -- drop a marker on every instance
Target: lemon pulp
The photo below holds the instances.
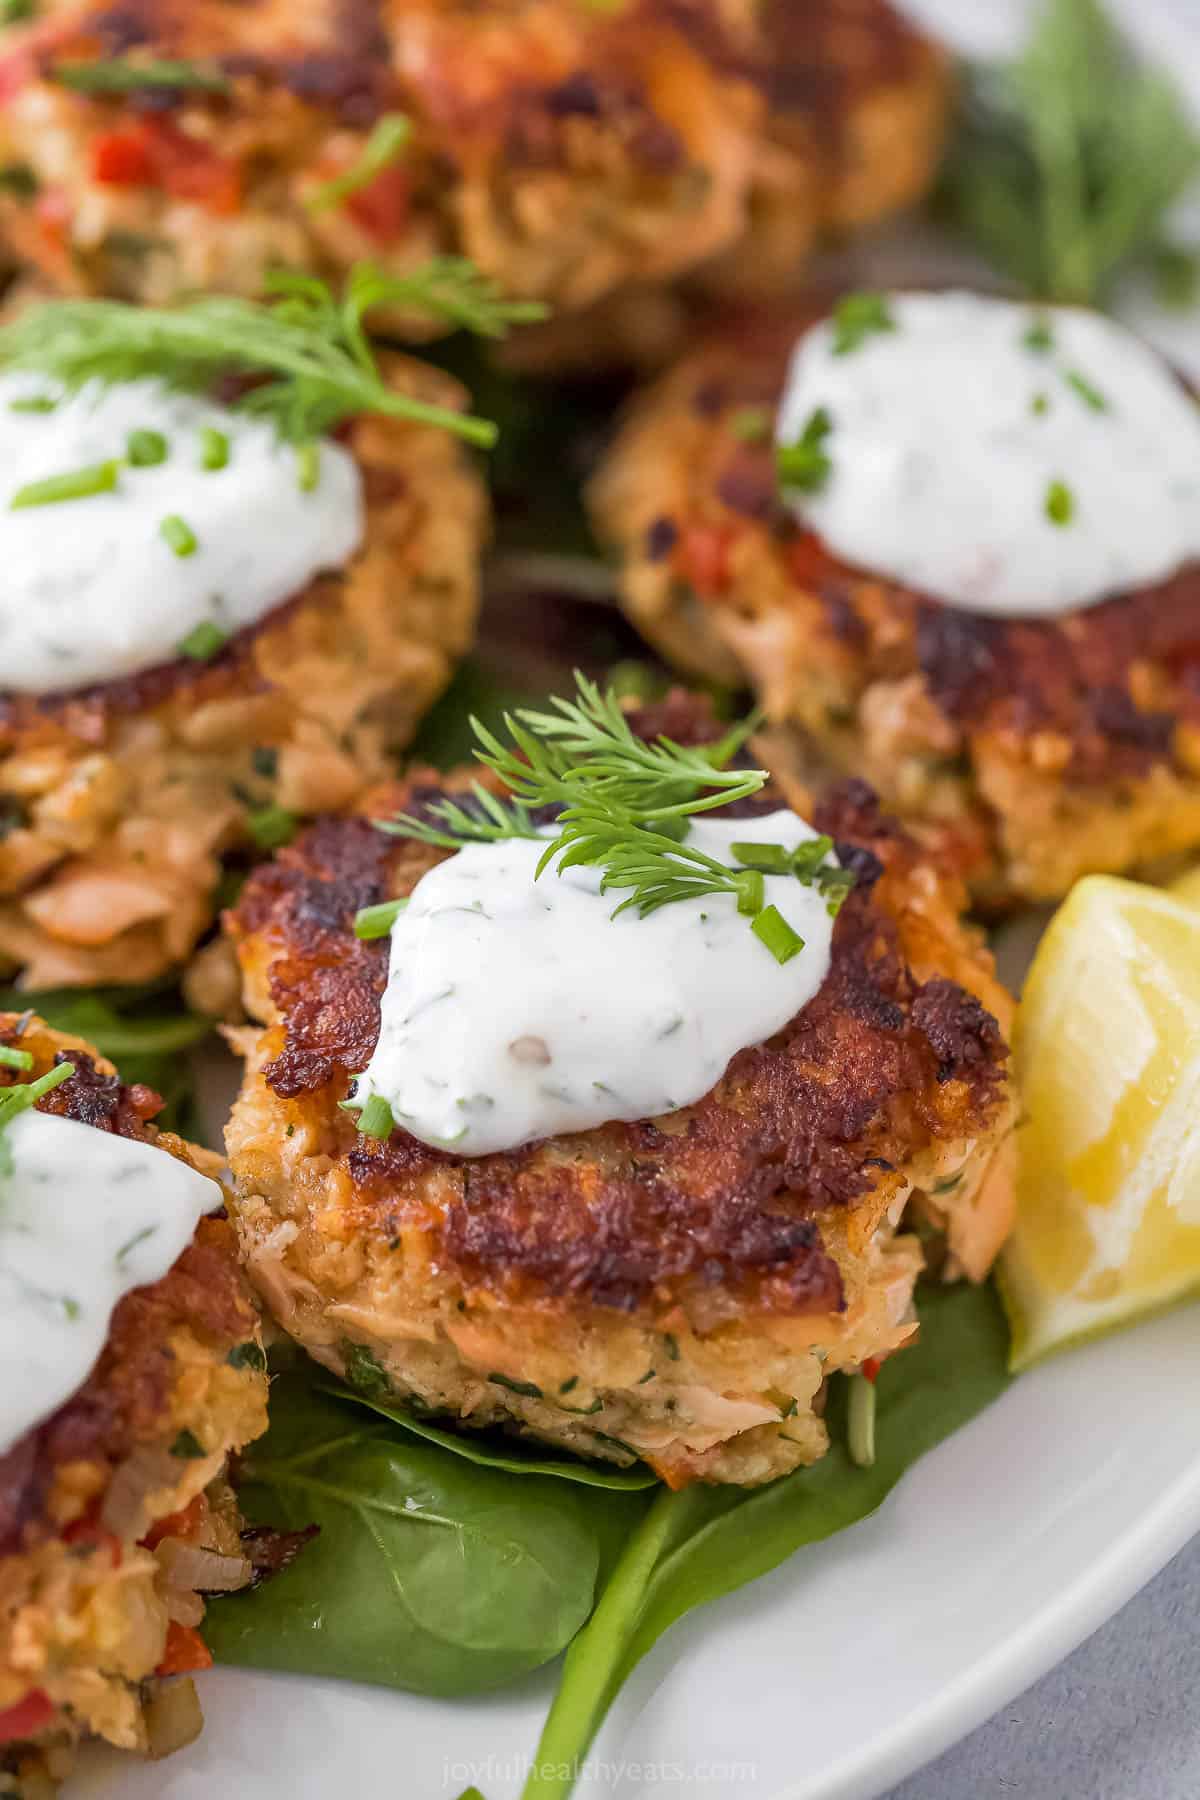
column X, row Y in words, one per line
column 1107, row 1053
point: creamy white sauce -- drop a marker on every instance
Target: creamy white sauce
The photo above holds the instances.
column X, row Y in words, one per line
column 91, row 591
column 948, row 432
column 518, row 1009
column 84, row 1217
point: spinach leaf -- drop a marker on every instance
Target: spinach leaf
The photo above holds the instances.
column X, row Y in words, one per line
column 492, row 1451
column 430, row 1573
column 698, row 1544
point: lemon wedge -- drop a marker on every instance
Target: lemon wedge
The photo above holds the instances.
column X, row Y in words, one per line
column 1107, row 1048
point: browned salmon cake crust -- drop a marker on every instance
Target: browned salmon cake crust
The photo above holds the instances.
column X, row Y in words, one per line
column 116, row 803
column 1040, row 750
column 567, row 147
column 675, row 1288
column 98, row 1519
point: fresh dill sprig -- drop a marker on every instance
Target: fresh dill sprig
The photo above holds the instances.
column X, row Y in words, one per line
column 449, row 826
column 583, row 747
column 622, row 804
column 587, row 742
column 656, row 869
column 19, row 1098
column 306, row 347
column 1069, row 157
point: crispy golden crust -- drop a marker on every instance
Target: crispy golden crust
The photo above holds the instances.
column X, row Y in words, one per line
column 117, row 803
column 567, row 148
column 763, row 1212
column 86, row 1601
column 1038, row 749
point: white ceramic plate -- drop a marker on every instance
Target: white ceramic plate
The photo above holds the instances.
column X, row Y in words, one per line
column 833, row 1678
column 863, row 1657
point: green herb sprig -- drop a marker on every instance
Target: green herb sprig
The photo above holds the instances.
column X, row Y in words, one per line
column 388, row 140
column 623, row 806
column 126, row 75
column 806, row 463
column 19, row 1098
column 307, row 347
column 857, row 317
column 1069, row 157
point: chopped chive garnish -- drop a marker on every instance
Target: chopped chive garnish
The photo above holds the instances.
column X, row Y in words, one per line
column 146, row 449
column 178, row 535
column 376, row 921
column 1040, row 405
column 528, row 1389
column 773, row 930
column 388, row 137
column 752, row 424
column 805, row 464
column 271, row 827
column 14, row 1059
column 1039, row 337
column 1091, row 396
column 1059, row 503
column 375, row 1120
column 33, row 403
column 214, row 448
column 79, row 484
column 860, row 1421
column 773, row 859
column 202, row 643
column 120, row 75
column 751, row 892
column 19, row 1098
column 857, row 318
column 308, row 466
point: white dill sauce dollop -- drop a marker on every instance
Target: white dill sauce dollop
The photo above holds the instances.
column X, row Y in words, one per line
column 1005, row 459
column 85, row 1216
column 518, row 1009
column 92, row 590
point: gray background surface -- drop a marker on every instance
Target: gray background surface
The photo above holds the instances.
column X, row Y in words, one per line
column 1119, row 1720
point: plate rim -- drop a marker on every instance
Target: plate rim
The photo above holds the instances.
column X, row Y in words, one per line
column 1020, row 1659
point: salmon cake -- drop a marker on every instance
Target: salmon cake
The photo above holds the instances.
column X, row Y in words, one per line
column 567, row 148
column 643, row 1184
column 133, row 1368
column 951, row 544
column 206, row 631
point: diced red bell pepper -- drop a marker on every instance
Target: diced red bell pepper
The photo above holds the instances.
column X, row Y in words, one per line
column 703, row 557
column 381, row 207
column 185, row 1651
column 26, row 1718
column 807, row 559
column 156, row 153
column 122, row 159
column 89, row 1532
column 185, row 1523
